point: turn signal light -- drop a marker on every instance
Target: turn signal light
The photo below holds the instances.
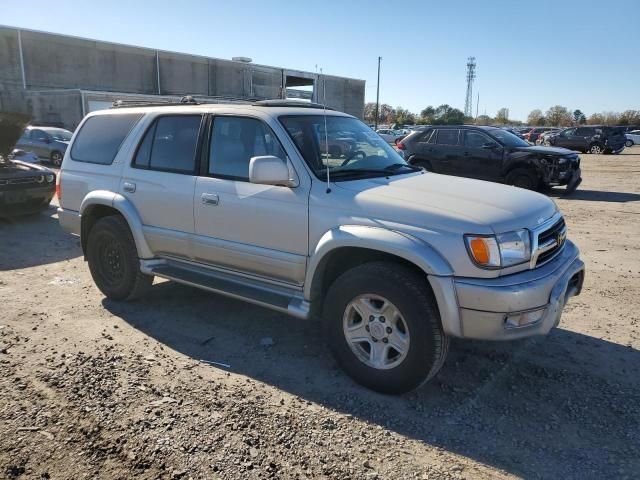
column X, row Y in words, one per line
column 480, row 250
column 58, row 187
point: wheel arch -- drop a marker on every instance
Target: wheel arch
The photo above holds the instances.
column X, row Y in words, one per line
column 101, row 203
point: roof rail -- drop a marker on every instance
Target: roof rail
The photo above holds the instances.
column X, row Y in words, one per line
column 289, row 103
column 186, row 100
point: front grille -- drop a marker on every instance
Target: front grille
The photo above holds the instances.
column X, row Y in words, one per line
column 550, row 242
column 23, row 180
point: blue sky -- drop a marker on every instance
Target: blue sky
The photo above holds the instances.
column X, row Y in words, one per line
column 530, row 54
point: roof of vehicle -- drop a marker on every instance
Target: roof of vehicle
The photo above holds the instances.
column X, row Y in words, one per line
column 46, row 129
column 276, row 108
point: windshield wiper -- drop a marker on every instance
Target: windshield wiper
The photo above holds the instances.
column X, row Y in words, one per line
column 397, row 166
column 355, row 171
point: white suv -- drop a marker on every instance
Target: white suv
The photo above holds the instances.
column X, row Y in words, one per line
column 252, row 201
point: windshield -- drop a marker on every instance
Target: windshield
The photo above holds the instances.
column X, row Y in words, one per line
column 60, row 135
column 508, row 139
column 347, row 147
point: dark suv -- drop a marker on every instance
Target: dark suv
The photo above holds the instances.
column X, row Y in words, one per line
column 492, row 154
column 592, row 139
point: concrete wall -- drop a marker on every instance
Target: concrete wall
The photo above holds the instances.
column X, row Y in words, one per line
column 58, row 62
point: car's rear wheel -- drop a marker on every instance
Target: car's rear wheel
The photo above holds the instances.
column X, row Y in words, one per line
column 596, row 149
column 56, row 158
column 523, row 178
column 384, row 327
column 113, row 260
column 628, row 143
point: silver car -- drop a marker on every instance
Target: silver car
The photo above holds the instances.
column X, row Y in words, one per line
column 248, row 201
column 48, row 143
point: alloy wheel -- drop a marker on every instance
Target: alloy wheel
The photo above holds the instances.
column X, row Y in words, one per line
column 376, row 331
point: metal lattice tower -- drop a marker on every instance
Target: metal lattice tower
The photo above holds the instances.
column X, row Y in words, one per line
column 471, row 75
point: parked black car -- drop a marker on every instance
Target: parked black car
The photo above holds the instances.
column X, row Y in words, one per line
column 492, row 154
column 24, row 187
column 591, row 139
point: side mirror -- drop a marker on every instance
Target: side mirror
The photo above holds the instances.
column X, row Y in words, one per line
column 270, row 170
column 490, row 145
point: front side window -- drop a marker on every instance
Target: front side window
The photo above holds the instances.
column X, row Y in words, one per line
column 507, row 139
column 475, row 139
column 60, row 135
column 343, row 145
column 447, row 136
column 170, row 144
column 100, row 137
column 38, row 135
column 234, row 141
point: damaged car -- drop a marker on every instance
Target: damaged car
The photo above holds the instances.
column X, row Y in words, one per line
column 492, row 154
column 25, row 187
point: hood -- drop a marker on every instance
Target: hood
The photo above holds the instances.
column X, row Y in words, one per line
column 557, row 151
column 11, row 127
column 16, row 168
column 444, row 202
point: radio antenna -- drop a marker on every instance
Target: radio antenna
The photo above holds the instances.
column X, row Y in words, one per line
column 326, row 134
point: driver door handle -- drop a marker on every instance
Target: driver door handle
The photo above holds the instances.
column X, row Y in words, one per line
column 210, row 199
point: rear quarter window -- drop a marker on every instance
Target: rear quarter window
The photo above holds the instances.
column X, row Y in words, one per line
column 100, row 137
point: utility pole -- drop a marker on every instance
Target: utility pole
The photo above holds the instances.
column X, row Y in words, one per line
column 477, row 105
column 471, row 75
column 377, row 95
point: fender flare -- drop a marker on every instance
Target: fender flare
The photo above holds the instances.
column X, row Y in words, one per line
column 126, row 209
column 402, row 245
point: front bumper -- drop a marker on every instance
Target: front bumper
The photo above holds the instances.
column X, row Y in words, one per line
column 483, row 307
column 25, row 200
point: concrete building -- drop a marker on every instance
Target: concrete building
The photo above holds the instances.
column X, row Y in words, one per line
column 57, row 79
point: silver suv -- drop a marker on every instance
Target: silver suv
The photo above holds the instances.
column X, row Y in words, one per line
column 250, row 201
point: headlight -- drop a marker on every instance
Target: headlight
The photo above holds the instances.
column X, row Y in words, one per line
column 40, row 178
column 499, row 251
column 50, row 178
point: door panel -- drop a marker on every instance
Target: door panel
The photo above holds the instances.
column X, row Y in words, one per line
column 255, row 229
column 447, row 152
column 160, row 183
column 480, row 162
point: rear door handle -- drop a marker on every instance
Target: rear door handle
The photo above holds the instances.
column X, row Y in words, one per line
column 129, row 187
column 210, row 199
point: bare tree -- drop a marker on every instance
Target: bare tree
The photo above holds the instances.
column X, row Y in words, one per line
column 558, row 116
column 502, row 116
column 535, row 116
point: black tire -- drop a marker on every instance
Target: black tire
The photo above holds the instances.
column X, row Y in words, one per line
column 628, row 143
column 524, row 178
column 408, row 292
column 596, row 149
column 56, row 158
column 113, row 260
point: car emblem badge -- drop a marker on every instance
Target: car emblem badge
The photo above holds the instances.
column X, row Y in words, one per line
column 562, row 236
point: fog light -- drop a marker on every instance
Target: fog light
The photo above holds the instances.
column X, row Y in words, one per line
column 524, row 319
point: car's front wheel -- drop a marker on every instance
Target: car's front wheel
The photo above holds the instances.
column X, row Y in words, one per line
column 113, row 260
column 628, row 143
column 384, row 327
column 523, row 178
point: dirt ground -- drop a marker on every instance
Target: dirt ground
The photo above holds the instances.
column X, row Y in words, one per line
column 91, row 388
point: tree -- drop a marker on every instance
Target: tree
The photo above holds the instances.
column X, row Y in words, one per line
column 404, row 117
column 502, row 116
column 611, row 118
column 579, row 117
column 484, row 120
column 427, row 114
column 630, row 117
column 447, row 115
column 558, row 116
column 534, row 117
column 370, row 112
column 595, row 119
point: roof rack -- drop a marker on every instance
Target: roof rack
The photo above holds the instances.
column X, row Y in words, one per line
column 186, row 100
column 289, row 103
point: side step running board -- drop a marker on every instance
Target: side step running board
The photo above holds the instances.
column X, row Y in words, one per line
column 276, row 297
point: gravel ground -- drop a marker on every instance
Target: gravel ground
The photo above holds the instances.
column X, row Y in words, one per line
column 185, row 384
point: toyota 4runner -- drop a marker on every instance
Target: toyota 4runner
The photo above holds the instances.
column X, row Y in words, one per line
column 249, row 201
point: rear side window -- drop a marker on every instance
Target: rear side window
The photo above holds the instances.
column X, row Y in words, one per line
column 428, row 137
column 170, row 144
column 447, row 136
column 99, row 139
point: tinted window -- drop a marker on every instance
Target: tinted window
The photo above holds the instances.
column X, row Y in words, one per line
column 100, row 137
column 235, row 140
column 447, row 137
column 583, row 131
column 475, row 139
column 38, row 135
column 569, row 132
column 170, row 144
column 429, row 136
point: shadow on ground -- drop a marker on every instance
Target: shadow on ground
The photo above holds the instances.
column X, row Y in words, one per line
column 32, row 240
column 597, row 196
column 534, row 408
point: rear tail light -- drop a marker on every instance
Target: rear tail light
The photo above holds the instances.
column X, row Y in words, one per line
column 401, row 146
column 58, row 187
